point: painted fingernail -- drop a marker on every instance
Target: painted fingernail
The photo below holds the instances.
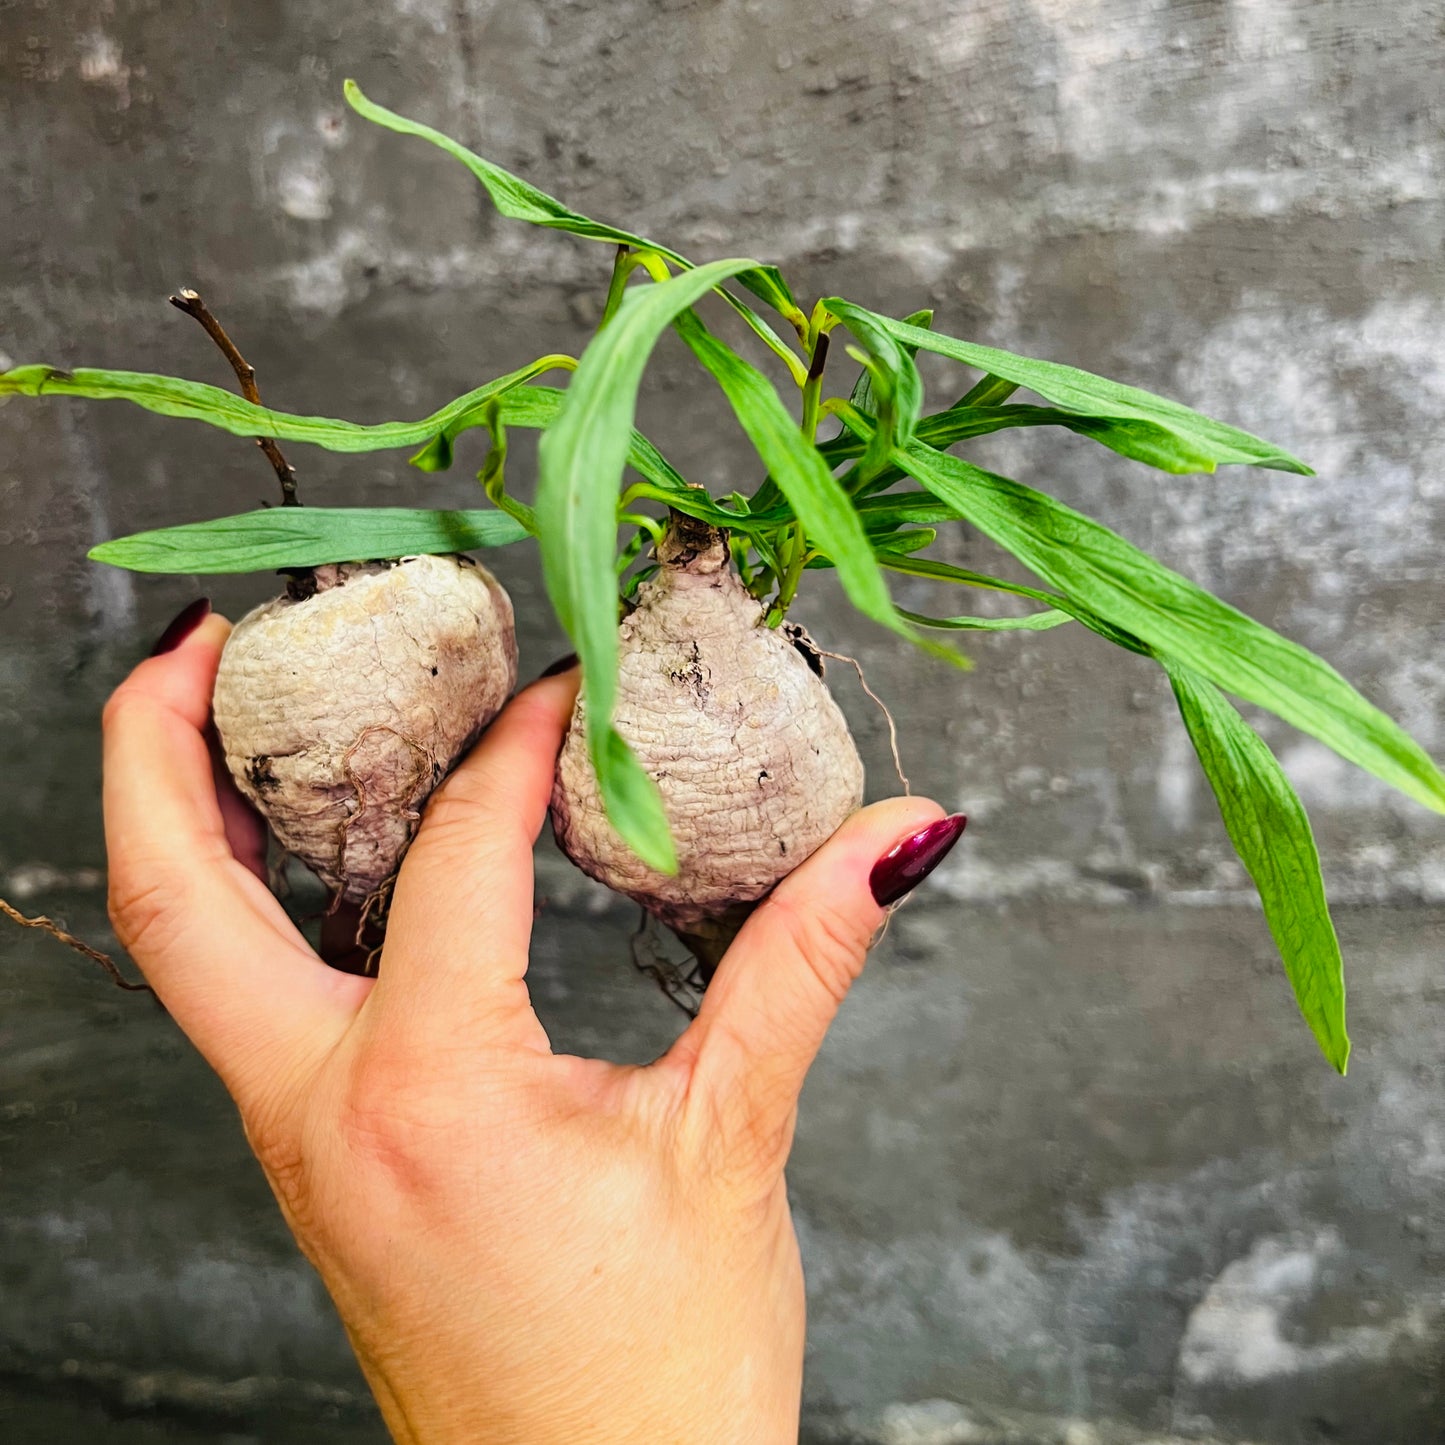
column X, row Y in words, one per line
column 905, row 865
column 182, row 625
column 562, row 664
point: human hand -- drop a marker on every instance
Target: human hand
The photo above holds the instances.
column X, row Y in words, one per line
column 523, row 1246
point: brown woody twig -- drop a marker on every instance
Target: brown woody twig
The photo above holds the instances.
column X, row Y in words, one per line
column 190, row 302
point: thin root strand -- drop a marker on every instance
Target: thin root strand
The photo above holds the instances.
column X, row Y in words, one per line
column 882, row 707
column 48, row 925
column 682, row 987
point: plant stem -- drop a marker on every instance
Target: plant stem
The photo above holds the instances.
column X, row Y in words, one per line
column 190, row 302
column 813, row 387
column 622, row 268
column 816, row 343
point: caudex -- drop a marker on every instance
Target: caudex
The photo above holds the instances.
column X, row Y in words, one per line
column 706, row 757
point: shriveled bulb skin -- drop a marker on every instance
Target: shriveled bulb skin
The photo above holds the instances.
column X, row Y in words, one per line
column 752, row 756
column 340, row 711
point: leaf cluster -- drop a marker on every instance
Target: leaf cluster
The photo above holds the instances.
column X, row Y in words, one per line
column 865, row 503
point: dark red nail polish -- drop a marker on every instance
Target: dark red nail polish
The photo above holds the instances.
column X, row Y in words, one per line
column 184, row 623
column 905, row 865
column 563, row 664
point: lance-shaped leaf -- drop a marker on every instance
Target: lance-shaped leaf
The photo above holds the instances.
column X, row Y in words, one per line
column 863, row 395
column 818, row 502
column 581, row 458
column 533, row 407
column 1032, row 622
column 1081, row 392
column 1140, row 441
column 896, row 388
column 1125, row 586
column 305, row 537
column 537, row 407
column 1267, row 825
column 196, row 401
column 520, row 201
column 947, row 572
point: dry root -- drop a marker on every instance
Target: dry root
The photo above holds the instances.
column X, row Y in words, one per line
column 49, row 925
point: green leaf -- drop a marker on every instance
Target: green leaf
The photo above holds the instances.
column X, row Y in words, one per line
column 862, row 395
column 305, row 537
column 493, row 474
column 915, row 539
column 1126, row 587
column 511, row 195
column 520, row 201
column 767, row 284
column 894, row 382
column 195, row 401
column 534, row 407
column 1155, row 446
column 989, row 390
column 1033, row 622
column 887, row 544
column 884, row 513
column 946, row 572
column 819, row 503
column 1095, row 396
column 1270, row 832
column 581, row 458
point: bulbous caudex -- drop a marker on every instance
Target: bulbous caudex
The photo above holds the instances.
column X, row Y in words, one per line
column 341, row 704
column 732, row 720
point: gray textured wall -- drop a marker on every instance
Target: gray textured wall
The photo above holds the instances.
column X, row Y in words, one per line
column 1070, row 1168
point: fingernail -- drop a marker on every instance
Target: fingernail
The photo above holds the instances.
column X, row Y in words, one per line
column 905, row 865
column 182, row 625
column 563, row 664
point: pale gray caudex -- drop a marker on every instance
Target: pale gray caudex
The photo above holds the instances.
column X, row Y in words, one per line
column 341, row 704
column 731, row 718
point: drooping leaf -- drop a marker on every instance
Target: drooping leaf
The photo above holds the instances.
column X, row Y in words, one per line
column 196, row 401
column 1145, row 442
column 1125, row 586
column 581, row 458
column 886, row 544
column 914, row 539
column 530, row 406
column 1087, row 395
column 862, row 395
column 896, row 388
column 767, row 284
column 818, row 502
column 988, row 390
column 520, row 201
column 493, row 474
column 273, row 537
column 537, row 407
column 896, row 509
column 1033, row 622
column 1268, row 827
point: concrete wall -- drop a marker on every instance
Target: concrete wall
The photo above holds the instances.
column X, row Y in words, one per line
column 1070, row 1169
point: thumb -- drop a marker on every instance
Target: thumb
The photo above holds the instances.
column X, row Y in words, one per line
column 779, row 985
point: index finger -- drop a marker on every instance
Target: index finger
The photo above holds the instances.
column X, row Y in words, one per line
column 461, row 915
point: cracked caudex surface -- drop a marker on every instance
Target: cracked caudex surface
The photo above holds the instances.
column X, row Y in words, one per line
column 340, row 711
column 753, row 758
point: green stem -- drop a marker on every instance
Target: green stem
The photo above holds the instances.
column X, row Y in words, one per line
column 647, row 524
column 622, row 268
column 796, row 547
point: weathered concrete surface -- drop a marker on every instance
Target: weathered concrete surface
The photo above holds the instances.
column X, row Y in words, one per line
column 1086, row 1168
